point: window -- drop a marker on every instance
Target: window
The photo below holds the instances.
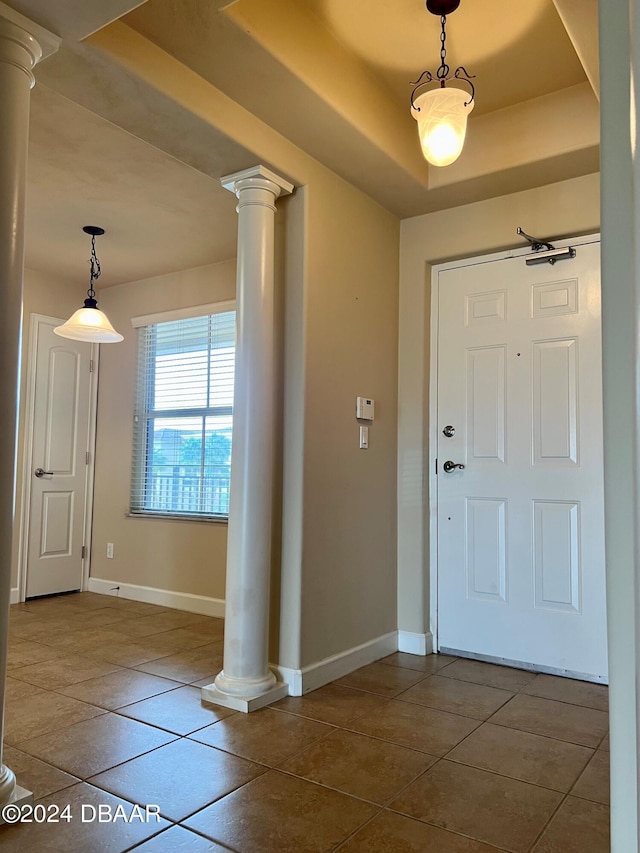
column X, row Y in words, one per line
column 184, row 415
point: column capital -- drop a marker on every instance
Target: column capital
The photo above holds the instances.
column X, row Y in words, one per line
column 24, row 43
column 257, row 177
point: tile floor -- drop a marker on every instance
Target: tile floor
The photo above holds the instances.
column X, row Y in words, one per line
column 407, row 755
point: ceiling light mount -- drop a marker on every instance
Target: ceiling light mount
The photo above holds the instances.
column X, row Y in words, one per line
column 442, row 7
column 442, row 113
column 89, row 323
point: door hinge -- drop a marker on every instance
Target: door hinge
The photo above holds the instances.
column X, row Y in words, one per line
column 84, row 551
column 90, row 365
column 436, row 467
column 86, row 458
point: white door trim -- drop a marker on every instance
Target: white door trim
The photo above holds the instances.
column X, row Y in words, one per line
column 23, row 534
column 433, row 403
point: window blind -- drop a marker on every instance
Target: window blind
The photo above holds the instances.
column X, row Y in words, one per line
column 184, row 416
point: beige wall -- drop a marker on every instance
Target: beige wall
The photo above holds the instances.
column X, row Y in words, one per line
column 177, row 555
column 348, row 581
column 563, row 209
column 43, row 294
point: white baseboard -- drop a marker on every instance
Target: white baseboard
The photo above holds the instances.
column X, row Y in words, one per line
column 415, row 644
column 15, row 595
column 315, row 675
column 166, row 598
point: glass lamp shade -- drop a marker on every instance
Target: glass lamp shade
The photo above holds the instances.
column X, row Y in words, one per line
column 90, row 324
column 442, row 123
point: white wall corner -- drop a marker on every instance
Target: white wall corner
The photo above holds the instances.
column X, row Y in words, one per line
column 318, row 674
column 415, row 644
column 15, row 595
column 165, row 598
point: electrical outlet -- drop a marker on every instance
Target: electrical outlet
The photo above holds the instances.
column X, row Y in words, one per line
column 110, row 550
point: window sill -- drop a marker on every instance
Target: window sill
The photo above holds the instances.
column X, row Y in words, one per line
column 168, row 516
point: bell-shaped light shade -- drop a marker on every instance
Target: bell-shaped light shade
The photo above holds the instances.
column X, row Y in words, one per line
column 442, row 123
column 90, row 324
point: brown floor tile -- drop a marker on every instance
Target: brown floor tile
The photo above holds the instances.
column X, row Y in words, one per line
column 63, row 671
column 488, row 674
column 354, row 764
column 553, row 719
column 499, row 811
column 393, row 833
column 594, row 782
column 89, row 836
column 180, row 778
column 35, row 775
column 138, row 628
column 45, row 630
column 95, row 618
column 16, row 689
column 91, row 746
column 42, row 713
column 127, row 654
column 578, row 827
column 416, row 726
column 605, row 743
column 188, row 666
column 159, row 622
column 181, row 711
column 179, row 840
column 521, row 755
column 27, row 652
column 421, row 663
column 382, row 679
column 119, row 688
column 331, row 704
column 569, row 690
column 80, row 642
column 177, row 640
column 137, row 609
column 210, row 627
column 265, row 736
column 281, row 814
column 457, row 697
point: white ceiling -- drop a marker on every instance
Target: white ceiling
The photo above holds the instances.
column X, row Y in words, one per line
column 112, row 146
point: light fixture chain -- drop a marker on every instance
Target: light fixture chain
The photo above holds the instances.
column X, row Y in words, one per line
column 443, row 71
column 95, row 268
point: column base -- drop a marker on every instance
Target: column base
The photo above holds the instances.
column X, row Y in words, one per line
column 246, row 704
column 19, row 797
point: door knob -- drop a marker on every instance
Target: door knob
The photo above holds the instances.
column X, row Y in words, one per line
column 40, row 472
column 449, row 431
column 450, row 466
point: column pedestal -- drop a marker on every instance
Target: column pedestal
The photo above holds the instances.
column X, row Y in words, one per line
column 246, row 682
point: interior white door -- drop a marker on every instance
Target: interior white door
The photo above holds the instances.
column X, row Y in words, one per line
column 521, row 571
column 59, row 463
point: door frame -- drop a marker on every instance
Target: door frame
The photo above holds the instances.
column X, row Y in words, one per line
column 432, row 506
column 27, row 430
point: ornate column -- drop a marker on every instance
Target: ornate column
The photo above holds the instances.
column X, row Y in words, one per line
column 246, row 683
column 22, row 44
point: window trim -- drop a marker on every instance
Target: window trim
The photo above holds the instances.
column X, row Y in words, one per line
column 139, row 473
column 184, row 313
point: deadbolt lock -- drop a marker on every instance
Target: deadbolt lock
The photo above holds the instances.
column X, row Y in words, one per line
column 449, row 431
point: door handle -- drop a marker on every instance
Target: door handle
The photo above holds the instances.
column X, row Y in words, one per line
column 40, row 472
column 450, row 466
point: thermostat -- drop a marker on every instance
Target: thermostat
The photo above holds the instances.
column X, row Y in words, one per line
column 364, row 408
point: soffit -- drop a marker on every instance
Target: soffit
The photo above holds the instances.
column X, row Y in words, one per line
column 159, row 214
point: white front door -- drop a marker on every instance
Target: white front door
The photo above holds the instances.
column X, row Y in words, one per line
column 521, row 573
column 59, row 463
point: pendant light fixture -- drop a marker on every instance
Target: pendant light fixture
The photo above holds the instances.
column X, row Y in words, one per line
column 89, row 323
column 442, row 113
